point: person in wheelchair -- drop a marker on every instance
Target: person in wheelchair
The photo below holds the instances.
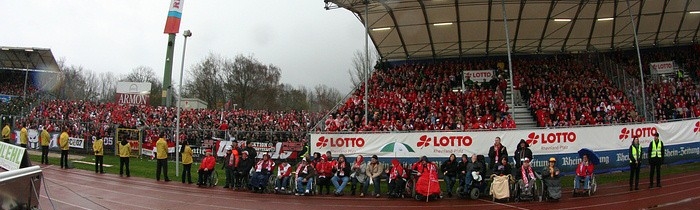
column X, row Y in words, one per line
column 304, row 177
column 206, row 168
column 528, row 177
column 284, row 170
column 502, row 168
column 475, row 170
column 242, row 173
column 550, row 180
column 397, row 179
column 263, row 170
column 584, row 173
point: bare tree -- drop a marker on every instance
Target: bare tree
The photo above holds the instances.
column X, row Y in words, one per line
column 92, row 85
column 291, row 98
column 205, row 81
column 72, row 82
column 357, row 72
column 251, row 84
column 325, row 98
column 107, row 86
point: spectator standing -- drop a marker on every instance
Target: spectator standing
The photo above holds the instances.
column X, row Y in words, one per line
column 523, row 151
column 496, row 152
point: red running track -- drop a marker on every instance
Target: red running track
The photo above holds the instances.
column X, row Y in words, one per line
column 81, row 189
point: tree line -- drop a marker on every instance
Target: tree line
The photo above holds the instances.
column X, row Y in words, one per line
column 219, row 81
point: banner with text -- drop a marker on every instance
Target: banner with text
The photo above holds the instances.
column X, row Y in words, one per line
column 478, row 75
column 10, row 156
column 665, row 67
column 609, row 142
column 136, row 93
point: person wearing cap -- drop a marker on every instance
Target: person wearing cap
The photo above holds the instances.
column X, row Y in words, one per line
column 551, row 182
column 187, row 161
column 23, row 136
column 162, row 158
column 243, row 171
column 528, row 175
column 232, row 159
column 656, row 155
column 324, row 168
column 63, row 144
column 263, row 170
column 584, row 171
column 304, row 175
column 44, row 140
column 521, row 153
column 374, row 171
column 6, row 133
column 551, row 171
column 358, row 176
column 635, row 154
column 206, row 168
column 97, row 148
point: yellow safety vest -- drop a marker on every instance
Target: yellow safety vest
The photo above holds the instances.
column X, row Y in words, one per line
column 636, row 153
column 656, row 149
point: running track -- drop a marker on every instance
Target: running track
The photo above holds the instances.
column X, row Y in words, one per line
column 82, row 189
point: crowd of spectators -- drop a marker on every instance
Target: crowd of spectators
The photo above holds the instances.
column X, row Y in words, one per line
column 9, row 81
column 87, row 118
column 427, row 96
column 569, row 90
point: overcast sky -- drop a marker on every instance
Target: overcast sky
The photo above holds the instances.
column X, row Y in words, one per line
column 311, row 45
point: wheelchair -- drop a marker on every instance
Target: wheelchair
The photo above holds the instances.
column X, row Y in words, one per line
column 592, row 187
column 272, row 182
column 293, row 182
column 212, row 180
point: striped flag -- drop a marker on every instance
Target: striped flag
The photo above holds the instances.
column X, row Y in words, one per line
column 172, row 24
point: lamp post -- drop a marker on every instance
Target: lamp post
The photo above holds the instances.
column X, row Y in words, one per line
column 186, row 34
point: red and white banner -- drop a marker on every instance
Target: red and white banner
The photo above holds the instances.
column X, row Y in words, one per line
column 665, row 67
column 541, row 141
column 134, row 99
column 478, row 75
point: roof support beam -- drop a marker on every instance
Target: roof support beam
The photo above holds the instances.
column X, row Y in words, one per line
column 396, row 25
column 573, row 23
column 680, row 25
column 459, row 28
column 639, row 14
column 661, row 21
column 614, row 26
column 595, row 19
column 546, row 23
column 517, row 26
column 695, row 37
column 427, row 27
column 488, row 27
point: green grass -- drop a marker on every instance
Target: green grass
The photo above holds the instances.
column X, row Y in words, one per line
column 147, row 168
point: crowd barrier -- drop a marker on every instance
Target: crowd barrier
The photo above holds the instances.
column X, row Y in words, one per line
column 611, row 144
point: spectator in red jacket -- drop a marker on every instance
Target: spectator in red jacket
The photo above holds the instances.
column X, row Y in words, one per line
column 324, row 168
column 584, row 171
column 206, row 168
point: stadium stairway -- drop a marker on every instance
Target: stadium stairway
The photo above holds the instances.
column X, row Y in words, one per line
column 521, row 114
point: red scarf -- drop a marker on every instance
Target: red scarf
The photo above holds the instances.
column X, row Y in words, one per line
column 526, row 172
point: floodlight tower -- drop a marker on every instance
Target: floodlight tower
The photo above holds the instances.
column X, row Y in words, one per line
column 172, row 27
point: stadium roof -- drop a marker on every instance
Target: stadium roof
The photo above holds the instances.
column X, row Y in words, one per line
column 21, row 58
column 402, row 29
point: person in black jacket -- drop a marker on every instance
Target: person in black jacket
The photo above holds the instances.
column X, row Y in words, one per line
column 502, row 168
column 496, row 152
column 449, row 172
column 656, row 156
column 475, row 171
column 342, row 173
column 462, row 169
column 243, row 170
column 635, row 156
column 523, row 151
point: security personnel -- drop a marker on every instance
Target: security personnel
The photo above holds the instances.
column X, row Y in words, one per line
column 656, row 158
column 187, row 162
column 635, row 154
column 124, row 153
column 162, row 158
column 63, row 144
column 305, row 150
column 6, row 133
column 44, row 140
column 23, row 136
column 97, row 147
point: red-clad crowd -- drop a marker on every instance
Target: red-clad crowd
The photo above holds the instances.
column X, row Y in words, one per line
column 94, row 118
column 12, row 83
column 421, row 96
column 568, row 90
